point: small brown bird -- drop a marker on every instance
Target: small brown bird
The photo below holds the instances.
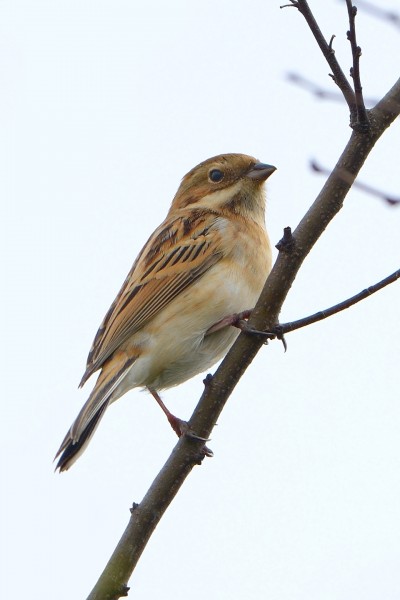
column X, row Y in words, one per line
column 209, row 259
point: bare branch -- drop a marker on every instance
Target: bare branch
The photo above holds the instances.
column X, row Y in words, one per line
column 346, row 176
column 387, row 109
column 333, row 310
column 361, row 121
column 279, row 331
column 189, row 451
column 337, row 74
column 145, row 516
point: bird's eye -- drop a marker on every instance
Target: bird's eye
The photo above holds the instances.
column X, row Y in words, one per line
column 215, row 175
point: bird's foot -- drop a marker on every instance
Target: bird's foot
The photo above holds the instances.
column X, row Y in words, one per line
column 230, row 320
column 182, row 427
column 240, row 321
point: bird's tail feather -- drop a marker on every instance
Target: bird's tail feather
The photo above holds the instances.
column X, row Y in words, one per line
column 69, row 450
column 89, row 417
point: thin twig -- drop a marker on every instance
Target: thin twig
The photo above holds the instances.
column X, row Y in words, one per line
column 278, row 331
column 361, row 122
column 328, row 312
column 188, row 451
column 112, row 583
column 337, row 74
column 347, row 177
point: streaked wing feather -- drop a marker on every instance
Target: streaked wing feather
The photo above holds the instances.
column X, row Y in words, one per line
column 178, row 253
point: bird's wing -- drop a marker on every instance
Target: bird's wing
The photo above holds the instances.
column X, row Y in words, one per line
column 178, row 253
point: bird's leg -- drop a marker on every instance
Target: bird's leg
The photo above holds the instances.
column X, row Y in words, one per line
column 180, row 426
column 239, row 320
column 233, row 320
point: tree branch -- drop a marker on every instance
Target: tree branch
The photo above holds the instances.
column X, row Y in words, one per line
column 280, row 330
column 387, row 109
column 189, row 451
column 361, row 122
column 337, row 74
column 333, row 310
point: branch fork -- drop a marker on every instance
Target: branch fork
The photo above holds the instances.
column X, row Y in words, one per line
column 359, row 120
column 112, row 584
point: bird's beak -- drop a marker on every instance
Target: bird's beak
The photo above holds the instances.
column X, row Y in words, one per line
column 260, row 172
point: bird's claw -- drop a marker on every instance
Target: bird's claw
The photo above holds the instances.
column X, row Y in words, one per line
column 277, row 332
column 182, row 428
column 193, row 436
column 246, row 328
column 205, row 451
column 189, row 433
column 280, row 336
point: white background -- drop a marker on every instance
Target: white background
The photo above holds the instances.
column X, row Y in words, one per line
column 104, row 106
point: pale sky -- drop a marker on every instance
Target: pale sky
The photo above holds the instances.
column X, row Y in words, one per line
column 104, row 106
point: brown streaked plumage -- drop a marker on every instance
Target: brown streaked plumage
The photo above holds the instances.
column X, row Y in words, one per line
column 207, row 260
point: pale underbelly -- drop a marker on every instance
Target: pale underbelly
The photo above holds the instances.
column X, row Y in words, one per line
column 174, row 346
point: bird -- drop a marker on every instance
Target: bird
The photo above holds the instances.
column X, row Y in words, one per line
column 208, row 259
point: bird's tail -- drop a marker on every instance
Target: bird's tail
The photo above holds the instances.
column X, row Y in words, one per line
column 69, row 450
column 104, row 392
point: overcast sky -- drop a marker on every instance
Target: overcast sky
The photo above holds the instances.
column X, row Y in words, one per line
column 104, row 106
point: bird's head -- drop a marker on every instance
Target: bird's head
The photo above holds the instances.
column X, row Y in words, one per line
column 228, row 182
